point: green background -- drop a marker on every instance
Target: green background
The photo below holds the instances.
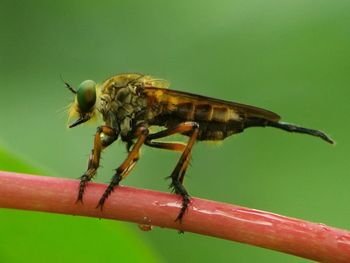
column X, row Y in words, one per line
column 291, row 57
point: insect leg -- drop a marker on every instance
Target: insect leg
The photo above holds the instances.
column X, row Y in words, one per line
column 172, row 146
column 178, row 173
column 123, row 170
column 94, row 159
column 181, row 128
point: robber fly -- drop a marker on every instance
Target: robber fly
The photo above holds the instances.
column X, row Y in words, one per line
column 130, row 104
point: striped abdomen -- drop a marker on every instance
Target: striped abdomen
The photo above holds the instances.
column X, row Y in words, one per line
column 215, row 122
column 203, row 112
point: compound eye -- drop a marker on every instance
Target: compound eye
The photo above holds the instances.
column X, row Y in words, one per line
column 86, row 95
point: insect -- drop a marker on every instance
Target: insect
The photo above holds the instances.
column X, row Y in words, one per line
column 130, row 104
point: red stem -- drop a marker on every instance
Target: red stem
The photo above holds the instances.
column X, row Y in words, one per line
column 301, row 238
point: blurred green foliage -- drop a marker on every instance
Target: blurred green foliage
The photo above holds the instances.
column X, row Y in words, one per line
column 291, row 57
column 40, row 237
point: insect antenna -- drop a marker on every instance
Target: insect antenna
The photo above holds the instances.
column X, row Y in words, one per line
column 68, row 86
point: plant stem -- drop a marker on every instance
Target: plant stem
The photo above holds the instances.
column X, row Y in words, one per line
column 301, row 238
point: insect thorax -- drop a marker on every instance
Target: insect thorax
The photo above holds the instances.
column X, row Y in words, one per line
column 122, row 104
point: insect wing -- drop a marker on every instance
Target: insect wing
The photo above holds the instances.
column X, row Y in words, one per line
column 181, row 97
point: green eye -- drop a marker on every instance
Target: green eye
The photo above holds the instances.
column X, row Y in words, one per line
column 86, row 95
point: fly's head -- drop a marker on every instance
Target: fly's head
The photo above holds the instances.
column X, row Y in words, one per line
column 84, row 107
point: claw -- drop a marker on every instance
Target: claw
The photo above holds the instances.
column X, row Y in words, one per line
column 100, row 204
column 115, row 182
column 185, row 202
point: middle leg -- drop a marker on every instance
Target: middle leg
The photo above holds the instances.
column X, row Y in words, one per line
column 123, row 170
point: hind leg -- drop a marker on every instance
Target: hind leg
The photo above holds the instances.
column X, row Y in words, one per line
column 177, row 176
